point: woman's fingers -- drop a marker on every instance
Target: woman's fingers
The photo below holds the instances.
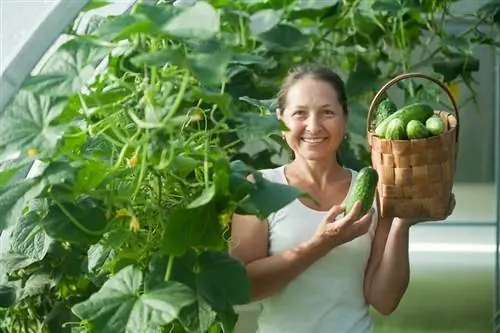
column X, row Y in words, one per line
column 335, row 211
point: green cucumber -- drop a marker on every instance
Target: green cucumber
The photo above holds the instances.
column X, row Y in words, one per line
column 363, row 190
column 416, row 130
column 416, row 111
column 384, row 109
column 435, row 125
column 395, row 130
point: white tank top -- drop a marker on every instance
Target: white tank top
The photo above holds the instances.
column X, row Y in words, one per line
column 326, row 298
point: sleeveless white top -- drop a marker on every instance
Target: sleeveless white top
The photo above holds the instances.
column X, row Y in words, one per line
column 326, row 298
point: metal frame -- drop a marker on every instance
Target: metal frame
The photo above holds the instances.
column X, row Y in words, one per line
column 496, row 309
column 37, row 44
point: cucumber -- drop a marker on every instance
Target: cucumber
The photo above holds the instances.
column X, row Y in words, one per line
column 384, row 109
column 435, row 125
column 416, row 130
column 415, row 111
column 395, row 130
column 363, row 189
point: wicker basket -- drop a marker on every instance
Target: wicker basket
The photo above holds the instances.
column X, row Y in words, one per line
column 415, row 176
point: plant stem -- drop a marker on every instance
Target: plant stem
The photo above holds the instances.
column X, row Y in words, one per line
column 75, row 221
column 180, row 95
column 142, row 170
column 170, row 265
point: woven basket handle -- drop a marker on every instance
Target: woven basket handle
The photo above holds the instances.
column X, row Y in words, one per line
column 400, row 77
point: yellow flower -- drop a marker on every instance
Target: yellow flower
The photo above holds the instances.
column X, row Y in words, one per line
column 32, row 152
column 132, row 161
column 134, row 225
column 454, row 90
column 122, row 212
column 225, row 217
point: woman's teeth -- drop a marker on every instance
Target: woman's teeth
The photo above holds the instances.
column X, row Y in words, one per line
column 313, row 140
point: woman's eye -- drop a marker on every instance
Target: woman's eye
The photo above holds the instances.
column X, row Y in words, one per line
column 299, row 113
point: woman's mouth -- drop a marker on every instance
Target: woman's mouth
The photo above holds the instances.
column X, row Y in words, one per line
column 313, row 140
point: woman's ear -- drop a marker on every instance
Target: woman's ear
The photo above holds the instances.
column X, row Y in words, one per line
column 278, row 113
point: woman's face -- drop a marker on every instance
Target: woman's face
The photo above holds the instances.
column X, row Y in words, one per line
column 315, row 118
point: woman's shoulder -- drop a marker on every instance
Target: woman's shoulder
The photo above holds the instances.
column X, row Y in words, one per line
column 273, row 174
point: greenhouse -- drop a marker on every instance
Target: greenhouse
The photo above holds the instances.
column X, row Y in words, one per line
column 129, row 130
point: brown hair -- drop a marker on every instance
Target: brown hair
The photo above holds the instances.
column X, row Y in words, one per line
column 317, row 72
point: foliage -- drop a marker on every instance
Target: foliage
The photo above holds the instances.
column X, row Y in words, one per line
column 122, row 224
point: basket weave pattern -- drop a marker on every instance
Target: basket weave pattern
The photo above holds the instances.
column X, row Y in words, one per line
column 415, row 176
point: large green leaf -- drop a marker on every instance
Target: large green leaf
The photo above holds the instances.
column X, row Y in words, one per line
column 264, row 20
column 69, row 69
column 284, row 38
column 123, row 26
column 193, row 227
column 14, row 196
column 222, row 280
column 23, row 244
column 209, row 68
column 455, row 66
column 120, row 306
column 254, row 126
column 363, row 78
column 200, row 21
column 83, row 222
column 268, row 197
column 29, row 123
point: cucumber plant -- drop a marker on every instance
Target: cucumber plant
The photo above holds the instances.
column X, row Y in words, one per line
column 143, row 129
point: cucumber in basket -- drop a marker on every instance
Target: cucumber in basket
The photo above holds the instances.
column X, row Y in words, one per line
column 363, row 189
column 395, row 130
column 415, row 111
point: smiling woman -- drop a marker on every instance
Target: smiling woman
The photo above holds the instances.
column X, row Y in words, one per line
column 308, row 278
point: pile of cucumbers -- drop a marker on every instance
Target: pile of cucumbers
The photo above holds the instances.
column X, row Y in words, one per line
column 411, row 122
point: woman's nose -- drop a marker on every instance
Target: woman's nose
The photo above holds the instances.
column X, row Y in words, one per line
column 313, row 123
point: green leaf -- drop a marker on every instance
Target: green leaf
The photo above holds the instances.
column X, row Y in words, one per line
column 173, row 55
column 363, row 78
column 283, row 38
column 491, row 9
column 314, row 4
column 7, row 295
column 200, row 21
column 119, row 306
column 269, row 105
column 69, row 69
column 455, row 66
column 222, row 280
column 81, row 223
column 223, row 101
column 95, row 4
column 37, row 284
column 23, row 244
column 209, row 68
column 206, row 196
column 264, row 20
column 268, row 197
column 255, row 127
column 29, row 123
column 122, row 27
column 13, row 198
column 185, row 228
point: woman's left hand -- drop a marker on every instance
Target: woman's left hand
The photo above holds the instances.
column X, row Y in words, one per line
column 410, row 222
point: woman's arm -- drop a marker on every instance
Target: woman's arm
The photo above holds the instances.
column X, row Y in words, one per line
column 388, row 271
column 268, row 274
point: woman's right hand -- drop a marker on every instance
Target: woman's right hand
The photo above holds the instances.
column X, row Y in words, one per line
column 332, row 232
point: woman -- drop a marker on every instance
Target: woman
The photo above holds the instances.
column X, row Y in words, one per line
column 312, row 268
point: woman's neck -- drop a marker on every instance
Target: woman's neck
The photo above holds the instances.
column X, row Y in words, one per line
column 319, row 172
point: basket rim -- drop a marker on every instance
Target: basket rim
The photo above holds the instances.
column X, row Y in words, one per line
column 378, row 97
